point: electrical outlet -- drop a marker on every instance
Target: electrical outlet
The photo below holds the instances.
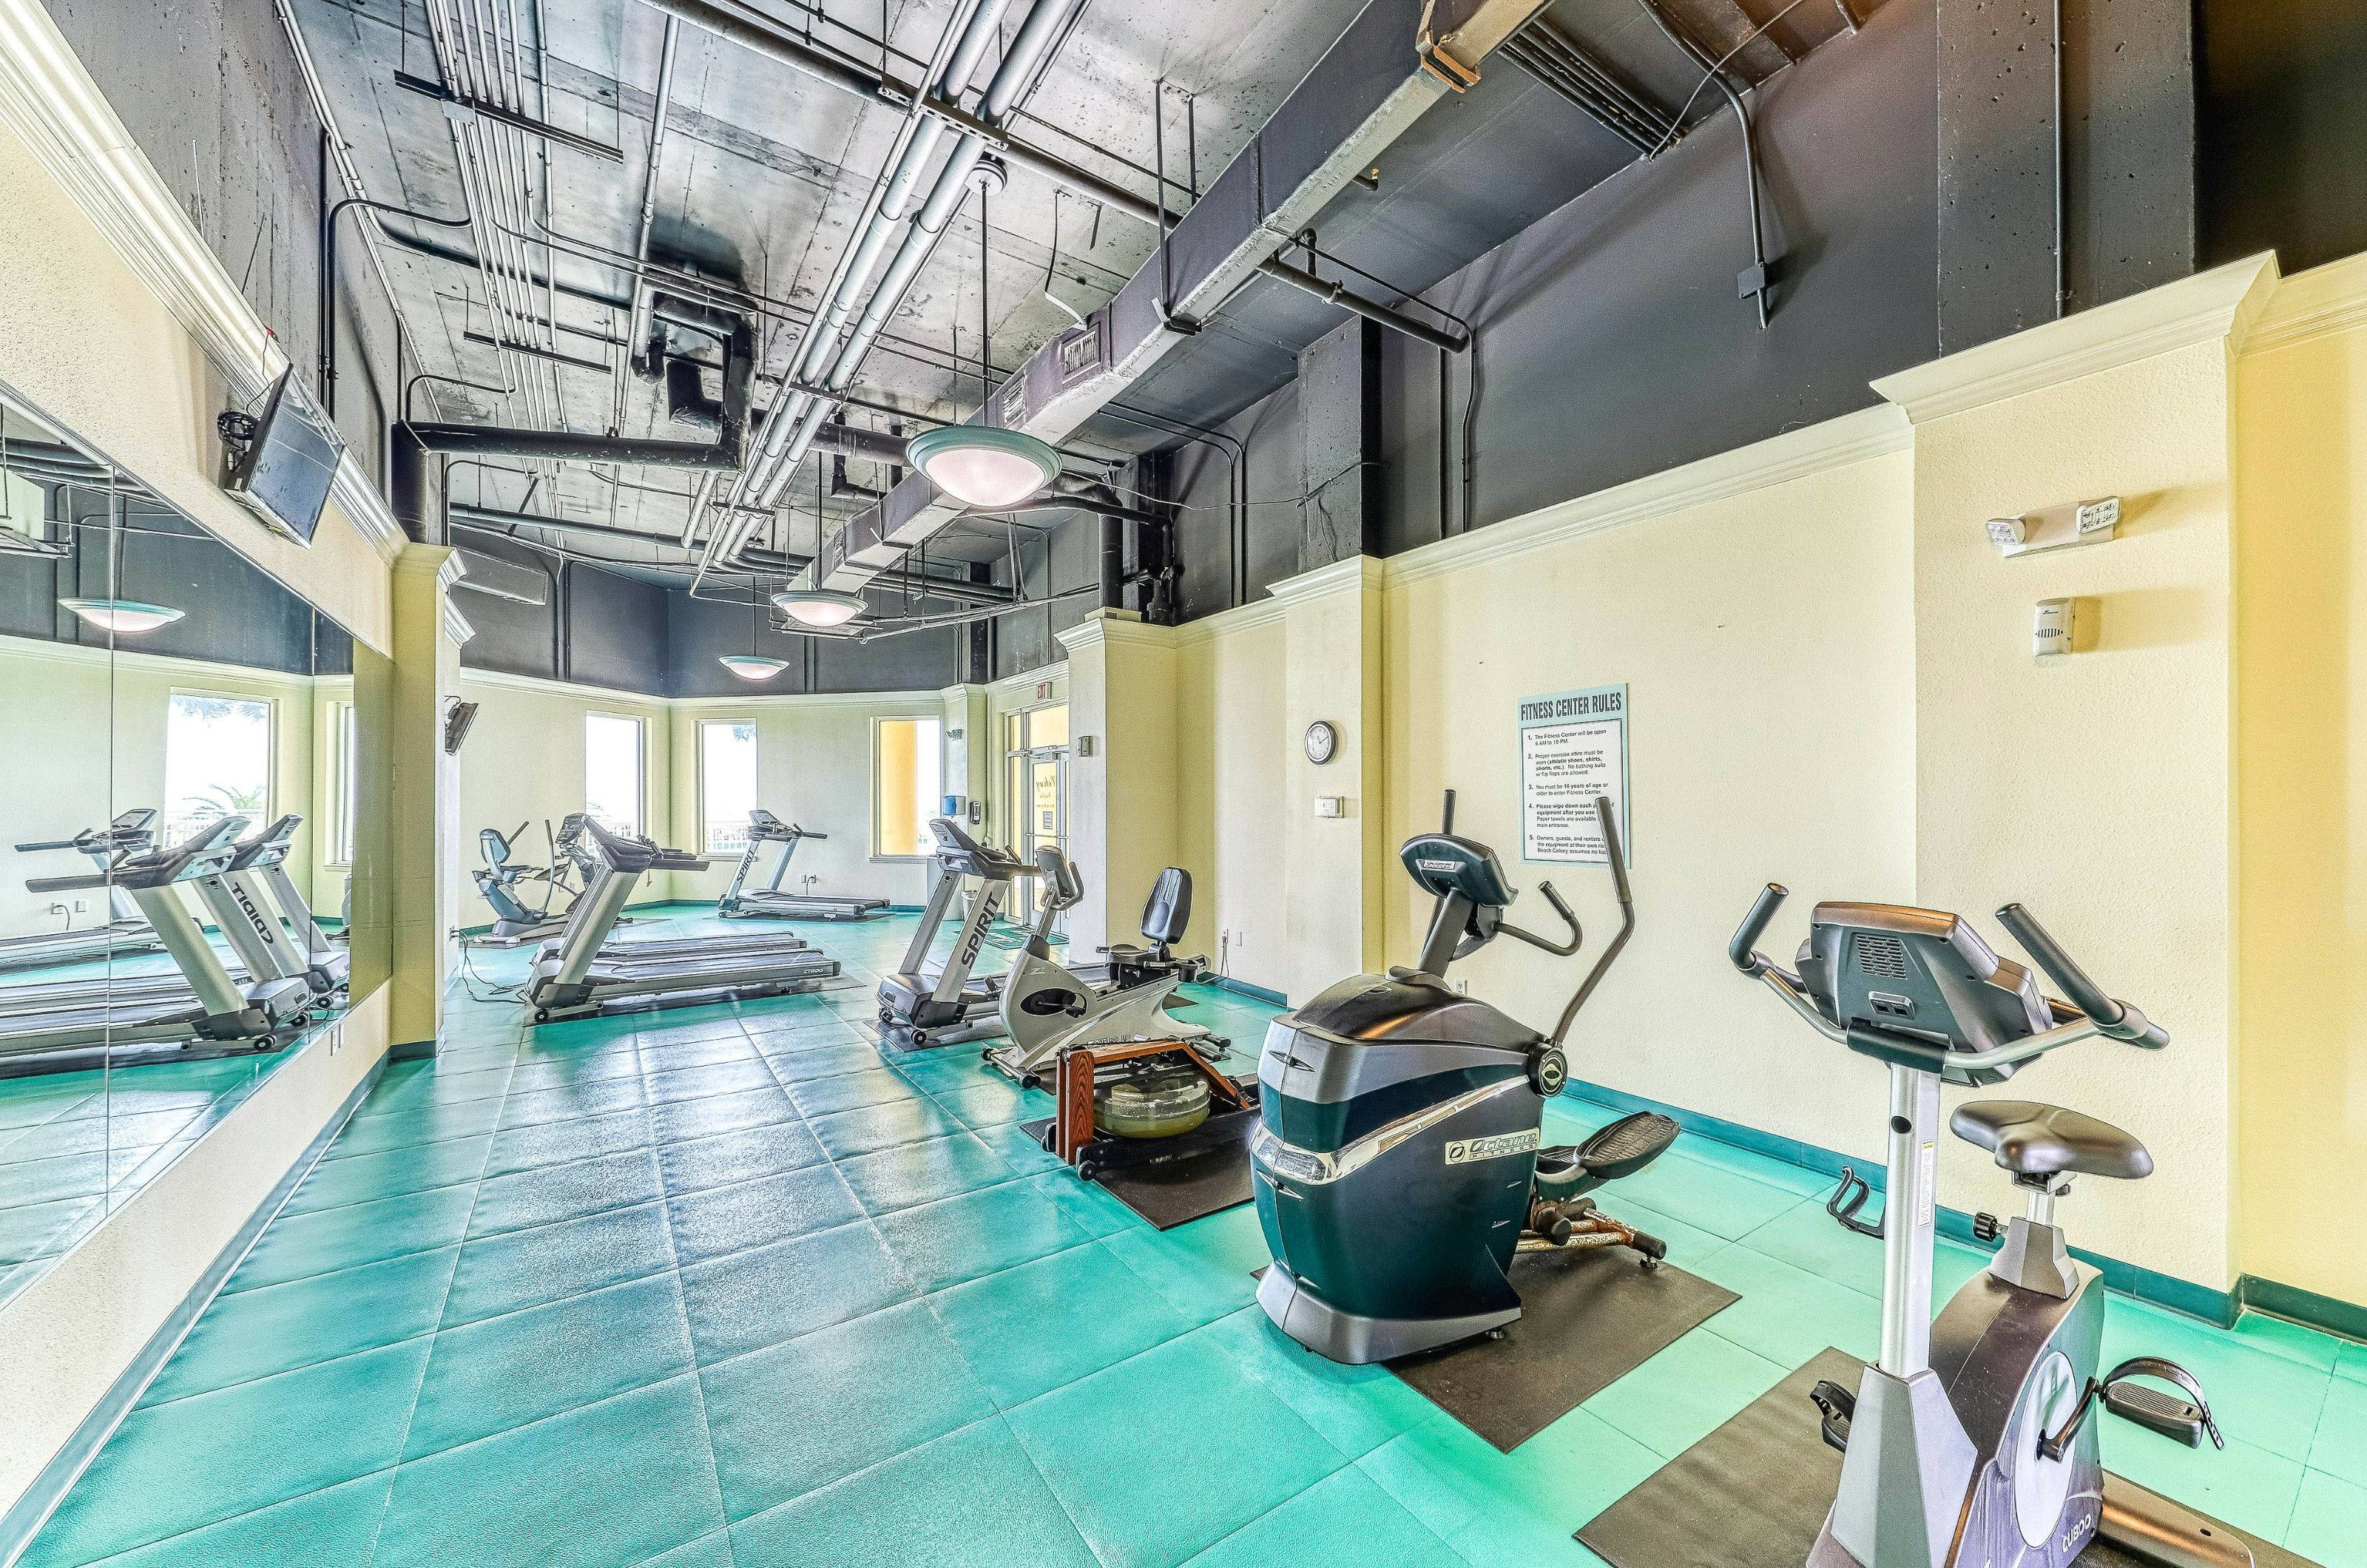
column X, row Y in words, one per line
column 57, row 908
column 82, row 905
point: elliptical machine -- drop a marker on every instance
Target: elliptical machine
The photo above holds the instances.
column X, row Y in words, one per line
column 1969, row 1444
column 1048, row 1007
column 1395, row 1164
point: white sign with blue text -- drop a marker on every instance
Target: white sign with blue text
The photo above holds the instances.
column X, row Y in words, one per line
column 1573, row 748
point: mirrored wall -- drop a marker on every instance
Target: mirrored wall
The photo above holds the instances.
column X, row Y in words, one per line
column 177, row 835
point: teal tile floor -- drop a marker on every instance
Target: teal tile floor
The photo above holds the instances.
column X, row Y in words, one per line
column 726, row 1285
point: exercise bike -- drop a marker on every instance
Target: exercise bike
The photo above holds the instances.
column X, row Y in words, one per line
column 1046, row 1008
column 1972, row 1443
column 501, row 881
column 1395, row 1164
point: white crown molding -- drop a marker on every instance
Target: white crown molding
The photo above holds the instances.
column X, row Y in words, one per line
column 1797, row 454
column 1011, row 687
column 1355, row 573
column 366, row 509
column 94, row 656
column 456, row 625
column 2313, row 304
column 49, row 100
column 607, row 697
column 896, row 705
column 1226, row 623
column 2220, row 303
column 1124, row 627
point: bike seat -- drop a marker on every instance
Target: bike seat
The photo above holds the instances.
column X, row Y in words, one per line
column 2031, row 1139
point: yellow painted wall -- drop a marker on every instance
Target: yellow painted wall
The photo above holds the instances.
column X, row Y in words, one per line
column 1767, row 642
column 2300, row 790
column 1232, row 760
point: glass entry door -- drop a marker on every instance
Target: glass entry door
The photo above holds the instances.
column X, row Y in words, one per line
column 1035, row 779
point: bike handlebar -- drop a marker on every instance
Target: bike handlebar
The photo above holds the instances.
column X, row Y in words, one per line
column 1740, row 948
column 2112, row 1017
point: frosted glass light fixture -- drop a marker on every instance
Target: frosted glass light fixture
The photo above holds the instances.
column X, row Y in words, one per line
column 126, row 617
column 752, row 666
column 820, row 606
column 983, row 465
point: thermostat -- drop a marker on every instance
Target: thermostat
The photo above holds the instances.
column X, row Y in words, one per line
column 1330, row 806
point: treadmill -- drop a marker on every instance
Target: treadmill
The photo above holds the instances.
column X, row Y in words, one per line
column 215, row 1013
column 771, row 901
column 920, row 1005
column 618, row 952
column 124, row 930
column 575, row 973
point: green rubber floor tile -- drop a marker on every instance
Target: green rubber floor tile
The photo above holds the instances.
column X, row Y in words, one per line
column 434, row 1088
column 751, row 1214
column 954, row 1069
column 1787, row 1315
column 571, row 1102
column 683, row 1121
column 1115, row 1469
column 1030, row 1329
column 1343, row 1521
column 1806, row 1237
column 968, row 1500
column 821, row 1059
column 408, row 1129
column 1206, row 1270
column 2340, row 1448
column 1088, row 1204
column 296, row 1246
column 1764, row 1169
column 1522, row 1543
column 662, row 1054
column 742, row 1156
column 708, row 1020
column 43, row 1230
column 1570, row 1119
column 710, row 1550
column 2329, row 1522
column 560, row 1142
column 549, row 1194
column 774, row 1293
column 799, row 1415
column 2350, row 1362
column 1020, row 1152
column 1355, row 1409
column 391, row 1175
column 2264, row 1399
column 876, row 1127
column 177, row 1467
column 256, row 1334
column 505, row 1371
column 333, row 1527
column 850, row 1092
column 1687, row 1243
column 2290, row 1340
column 26, row 1102
column 604, row 1486
column 994, row 1104
column 2246, row 1486
column 1707, row 1196
column 700, row 1083
column 911, row 1174
column 1492, row 1506
column 974, row 1235
column 534, row 1075
column 1685, row 1392
column 548, row 1263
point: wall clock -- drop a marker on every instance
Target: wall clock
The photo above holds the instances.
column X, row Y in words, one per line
column 1322, row 741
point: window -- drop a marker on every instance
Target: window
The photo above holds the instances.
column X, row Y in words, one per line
column 727, row 784
column 346, row 778
column 217, row 762
column 612, row 771
column 907, row 784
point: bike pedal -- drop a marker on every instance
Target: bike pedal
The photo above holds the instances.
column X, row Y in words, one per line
column 2178, row 1420
column 1988, row 1227
column 1836, row 1405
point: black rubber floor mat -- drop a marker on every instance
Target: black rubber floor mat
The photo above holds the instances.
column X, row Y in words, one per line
column 1754, row 1493
column 1177, row 1192
column 1588, row 1319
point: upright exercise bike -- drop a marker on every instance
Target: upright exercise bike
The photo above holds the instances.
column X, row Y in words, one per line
column 1395, row 1164
column 1969, row 1444
column 1048, row 1007
column 502, row 881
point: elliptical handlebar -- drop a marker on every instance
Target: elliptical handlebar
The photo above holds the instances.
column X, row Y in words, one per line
column 1559, row 948
column 1618, row 854
column 2110, row 1016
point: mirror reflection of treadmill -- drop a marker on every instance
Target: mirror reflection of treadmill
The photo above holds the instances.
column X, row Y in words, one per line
column 774, row 902
column 124, row 930
column 212, row 1010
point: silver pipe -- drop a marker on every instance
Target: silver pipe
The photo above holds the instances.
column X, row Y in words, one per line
column 637, row 322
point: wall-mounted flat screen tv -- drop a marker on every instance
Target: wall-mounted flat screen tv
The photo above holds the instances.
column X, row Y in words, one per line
column 285, row 471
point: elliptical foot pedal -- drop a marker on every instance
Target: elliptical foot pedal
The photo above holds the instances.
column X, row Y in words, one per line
column 1627, row 1145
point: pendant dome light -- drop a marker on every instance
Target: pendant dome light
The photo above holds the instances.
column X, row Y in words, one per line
column 753, row 666
column 981, row 464
column 118, row 616
column 820, row 607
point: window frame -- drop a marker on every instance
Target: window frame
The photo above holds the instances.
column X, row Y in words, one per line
column 264, row 816
column 345, row 783
column 640, row 766
column 756, row 793
column 878, row 722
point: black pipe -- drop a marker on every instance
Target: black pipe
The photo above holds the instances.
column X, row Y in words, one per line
column 1112, row 562
column 564, row 446
column 328, row 322
column 1755, row 280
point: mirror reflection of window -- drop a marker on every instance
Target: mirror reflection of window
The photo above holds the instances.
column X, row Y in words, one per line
column 727, row 784
column 907, row 784
column 612, row 771
column 348, row 785
column 217, row 762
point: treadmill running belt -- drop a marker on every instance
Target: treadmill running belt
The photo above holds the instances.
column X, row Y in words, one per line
column 1588, row 1318
column 1754, row 1493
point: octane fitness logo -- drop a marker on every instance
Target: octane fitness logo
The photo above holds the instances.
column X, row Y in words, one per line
column 1463, row 1151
